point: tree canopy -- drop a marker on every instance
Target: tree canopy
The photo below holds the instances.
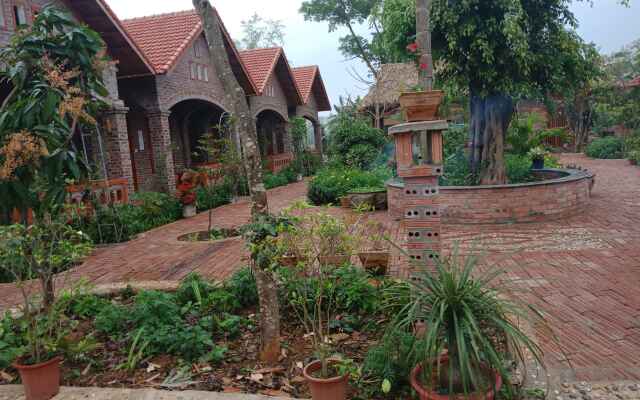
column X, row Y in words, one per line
column 55, row 71
column 259, row 32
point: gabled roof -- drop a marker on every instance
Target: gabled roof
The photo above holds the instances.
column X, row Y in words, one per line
column 310, row 81
column 263, row 63
column 98, row 16
column 164, row 38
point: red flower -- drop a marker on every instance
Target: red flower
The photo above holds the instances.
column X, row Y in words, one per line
column 412, row 47
column 423, row 66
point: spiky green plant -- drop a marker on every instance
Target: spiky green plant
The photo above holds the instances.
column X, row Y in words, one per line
column 468, row 314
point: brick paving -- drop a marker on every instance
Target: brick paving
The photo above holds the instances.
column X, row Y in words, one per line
column 157, row 255
column 582, row 272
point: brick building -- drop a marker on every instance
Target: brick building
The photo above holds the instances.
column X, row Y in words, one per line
column 165, row 93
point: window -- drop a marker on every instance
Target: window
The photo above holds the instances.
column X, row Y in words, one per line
column 206, row 74
column 194, row 71
column 20, row 14
column 200, row 77
column 196, row 49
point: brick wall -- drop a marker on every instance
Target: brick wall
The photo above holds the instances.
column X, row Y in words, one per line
column 177, row 84
column 276, row 102
column 508, row 204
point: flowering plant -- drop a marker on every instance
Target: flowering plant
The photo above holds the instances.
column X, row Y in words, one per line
column 188, row 182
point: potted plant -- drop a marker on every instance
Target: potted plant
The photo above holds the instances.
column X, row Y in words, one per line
column 537, row 155
column 39, row 252
column 313, row 300
column 472, row 331
column 374, row 197
column 421, row 105
column 375, row 257
column 186, row 191
column 634, row 157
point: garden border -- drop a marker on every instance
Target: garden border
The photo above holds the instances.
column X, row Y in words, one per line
column 567, row 192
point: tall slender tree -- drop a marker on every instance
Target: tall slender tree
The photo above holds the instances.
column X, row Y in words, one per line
column 245, row 126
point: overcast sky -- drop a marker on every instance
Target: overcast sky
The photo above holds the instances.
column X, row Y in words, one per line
column 607, row 24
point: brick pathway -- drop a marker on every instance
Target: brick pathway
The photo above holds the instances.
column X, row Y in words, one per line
column 583, row 272
column 157, row 255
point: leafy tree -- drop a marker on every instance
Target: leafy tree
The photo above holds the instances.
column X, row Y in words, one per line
column 348, row 14
column 55, row 71
column 245, row 127
column 259, row 32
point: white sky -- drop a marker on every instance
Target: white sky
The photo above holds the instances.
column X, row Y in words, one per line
column 607, row 24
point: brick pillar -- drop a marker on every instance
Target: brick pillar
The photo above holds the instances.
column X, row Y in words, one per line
column 160, row 132
column 116, row 143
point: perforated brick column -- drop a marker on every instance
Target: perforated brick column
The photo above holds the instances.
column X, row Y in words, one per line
column 160, row 131
column 116, row 142
column 419, row 159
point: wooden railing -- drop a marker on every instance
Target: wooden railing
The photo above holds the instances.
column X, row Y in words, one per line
column 112, row 191
column 278, row 162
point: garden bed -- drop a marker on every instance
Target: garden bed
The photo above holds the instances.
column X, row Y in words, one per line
column 213, row 235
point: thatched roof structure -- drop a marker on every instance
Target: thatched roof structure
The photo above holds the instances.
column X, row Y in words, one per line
column 394, row 79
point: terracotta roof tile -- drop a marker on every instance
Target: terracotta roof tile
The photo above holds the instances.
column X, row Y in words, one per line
column 305, row 77
column 260, row 64
column 164, row 37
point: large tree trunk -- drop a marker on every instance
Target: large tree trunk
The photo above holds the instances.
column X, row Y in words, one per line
column 490, row 119
column 580, row 118
column 423, row 39
column 246, row 128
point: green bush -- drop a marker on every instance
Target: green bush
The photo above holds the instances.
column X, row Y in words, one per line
column 455, row 139
column 12, row 344
column 609, row 147
column 332, row 183
column 518, row 168
column 457, row 171
column 353, row 141
column 274, row 180
column 119, row 223
column 243, row 287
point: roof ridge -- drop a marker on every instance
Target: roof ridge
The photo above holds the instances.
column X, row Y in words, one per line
column 280, row 48
column 168, row 14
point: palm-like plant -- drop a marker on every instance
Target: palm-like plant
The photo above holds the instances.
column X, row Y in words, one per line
column 468, row 316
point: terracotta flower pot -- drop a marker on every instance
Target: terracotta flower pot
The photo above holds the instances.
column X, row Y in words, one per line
column 325, row 389
column 376, row 262
column 337, row 260
column 40, row 381
column 430, row 394
column 421, row 106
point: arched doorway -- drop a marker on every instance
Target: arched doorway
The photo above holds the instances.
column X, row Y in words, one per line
column 195, row 125
column 271, row 128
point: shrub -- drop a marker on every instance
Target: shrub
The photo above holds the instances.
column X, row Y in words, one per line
column 518, row 168
column 12, row 342
column 119, row 223
column 353, row 142
column 243, row 287
column 274, row 180
column 332, row 183
column 455, row 139
column 213, row 196
column 457, row 171
column 609, row 147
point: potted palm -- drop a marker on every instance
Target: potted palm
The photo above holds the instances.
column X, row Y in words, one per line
column 471, row 335
column 39, row 252
column 537, row 155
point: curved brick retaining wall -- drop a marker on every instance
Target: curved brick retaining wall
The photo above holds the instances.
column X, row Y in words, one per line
column 562, row 194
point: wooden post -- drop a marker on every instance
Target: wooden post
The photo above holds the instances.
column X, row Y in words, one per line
column 423, row 39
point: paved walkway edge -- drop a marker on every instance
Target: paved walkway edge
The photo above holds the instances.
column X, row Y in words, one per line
column 15, row 392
